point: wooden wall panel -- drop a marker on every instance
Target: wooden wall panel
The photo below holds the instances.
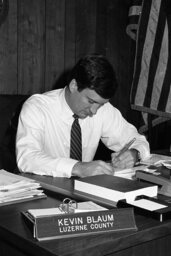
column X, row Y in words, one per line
column 42, row 39
column 70, row 34
column 55, row 41
column 101, row 28
column 8, row 52
column 118, row 51
column 31, row 53
column 85, row 27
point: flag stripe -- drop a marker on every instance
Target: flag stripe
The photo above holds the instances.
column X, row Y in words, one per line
column 140, row 44
column 161, row 69
column 146, row 33
column 167, row 81
column 155, row 54
column 151, row 86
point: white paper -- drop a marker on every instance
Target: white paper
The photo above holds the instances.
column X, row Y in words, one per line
column 14, row 187
column 44, row 212
column 155, row 159
column 8, row 180
column 129, row 173
column 147, row 204
column 89, row 206
column 81, row 207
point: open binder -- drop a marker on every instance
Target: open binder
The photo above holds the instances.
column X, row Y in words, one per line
column 71, row 219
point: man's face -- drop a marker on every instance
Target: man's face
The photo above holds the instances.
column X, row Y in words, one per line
column 86, row 102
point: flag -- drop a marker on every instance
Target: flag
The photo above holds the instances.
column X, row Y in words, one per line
column 133, row 18
column 151, row 87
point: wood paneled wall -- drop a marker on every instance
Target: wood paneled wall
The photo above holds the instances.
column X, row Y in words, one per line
column 42, row 39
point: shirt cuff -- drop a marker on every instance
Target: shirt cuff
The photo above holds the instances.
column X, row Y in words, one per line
column 143, row 152
column 64, row 167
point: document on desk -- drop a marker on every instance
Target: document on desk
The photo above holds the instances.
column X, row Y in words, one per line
column 14, row 188
column 153, row 207
column 155, row 159
column 129, row 173
column 148, row 205
column 11, row 180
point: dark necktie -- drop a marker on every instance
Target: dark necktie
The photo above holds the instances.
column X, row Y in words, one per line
column 75, row 143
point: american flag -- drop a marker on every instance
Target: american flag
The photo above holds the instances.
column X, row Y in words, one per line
column 151, row 87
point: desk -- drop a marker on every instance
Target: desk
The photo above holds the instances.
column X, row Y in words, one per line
column 152, row 238
column 64, row 187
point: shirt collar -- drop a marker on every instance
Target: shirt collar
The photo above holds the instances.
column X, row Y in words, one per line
column 65, row 106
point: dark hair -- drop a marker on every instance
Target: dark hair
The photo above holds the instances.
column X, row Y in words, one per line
column 96, row 73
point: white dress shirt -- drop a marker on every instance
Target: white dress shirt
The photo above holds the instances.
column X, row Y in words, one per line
column 43, row 136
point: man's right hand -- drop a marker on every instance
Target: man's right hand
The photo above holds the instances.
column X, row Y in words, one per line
column 83, row 169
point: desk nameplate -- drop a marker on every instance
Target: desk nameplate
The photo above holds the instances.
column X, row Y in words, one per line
column 84, row 223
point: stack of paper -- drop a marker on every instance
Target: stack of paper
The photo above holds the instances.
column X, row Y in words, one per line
column 15, row 188
column 155, row 159
column 148, row 165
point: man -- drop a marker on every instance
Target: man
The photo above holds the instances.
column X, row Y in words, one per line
column 43, row 137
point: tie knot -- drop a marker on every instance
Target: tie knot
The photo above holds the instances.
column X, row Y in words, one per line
column 75, row 117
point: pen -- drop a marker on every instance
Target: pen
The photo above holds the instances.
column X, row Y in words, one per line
column 126, row 147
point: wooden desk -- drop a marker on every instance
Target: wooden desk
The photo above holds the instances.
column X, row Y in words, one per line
column 64, row 187
column 152, row 237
